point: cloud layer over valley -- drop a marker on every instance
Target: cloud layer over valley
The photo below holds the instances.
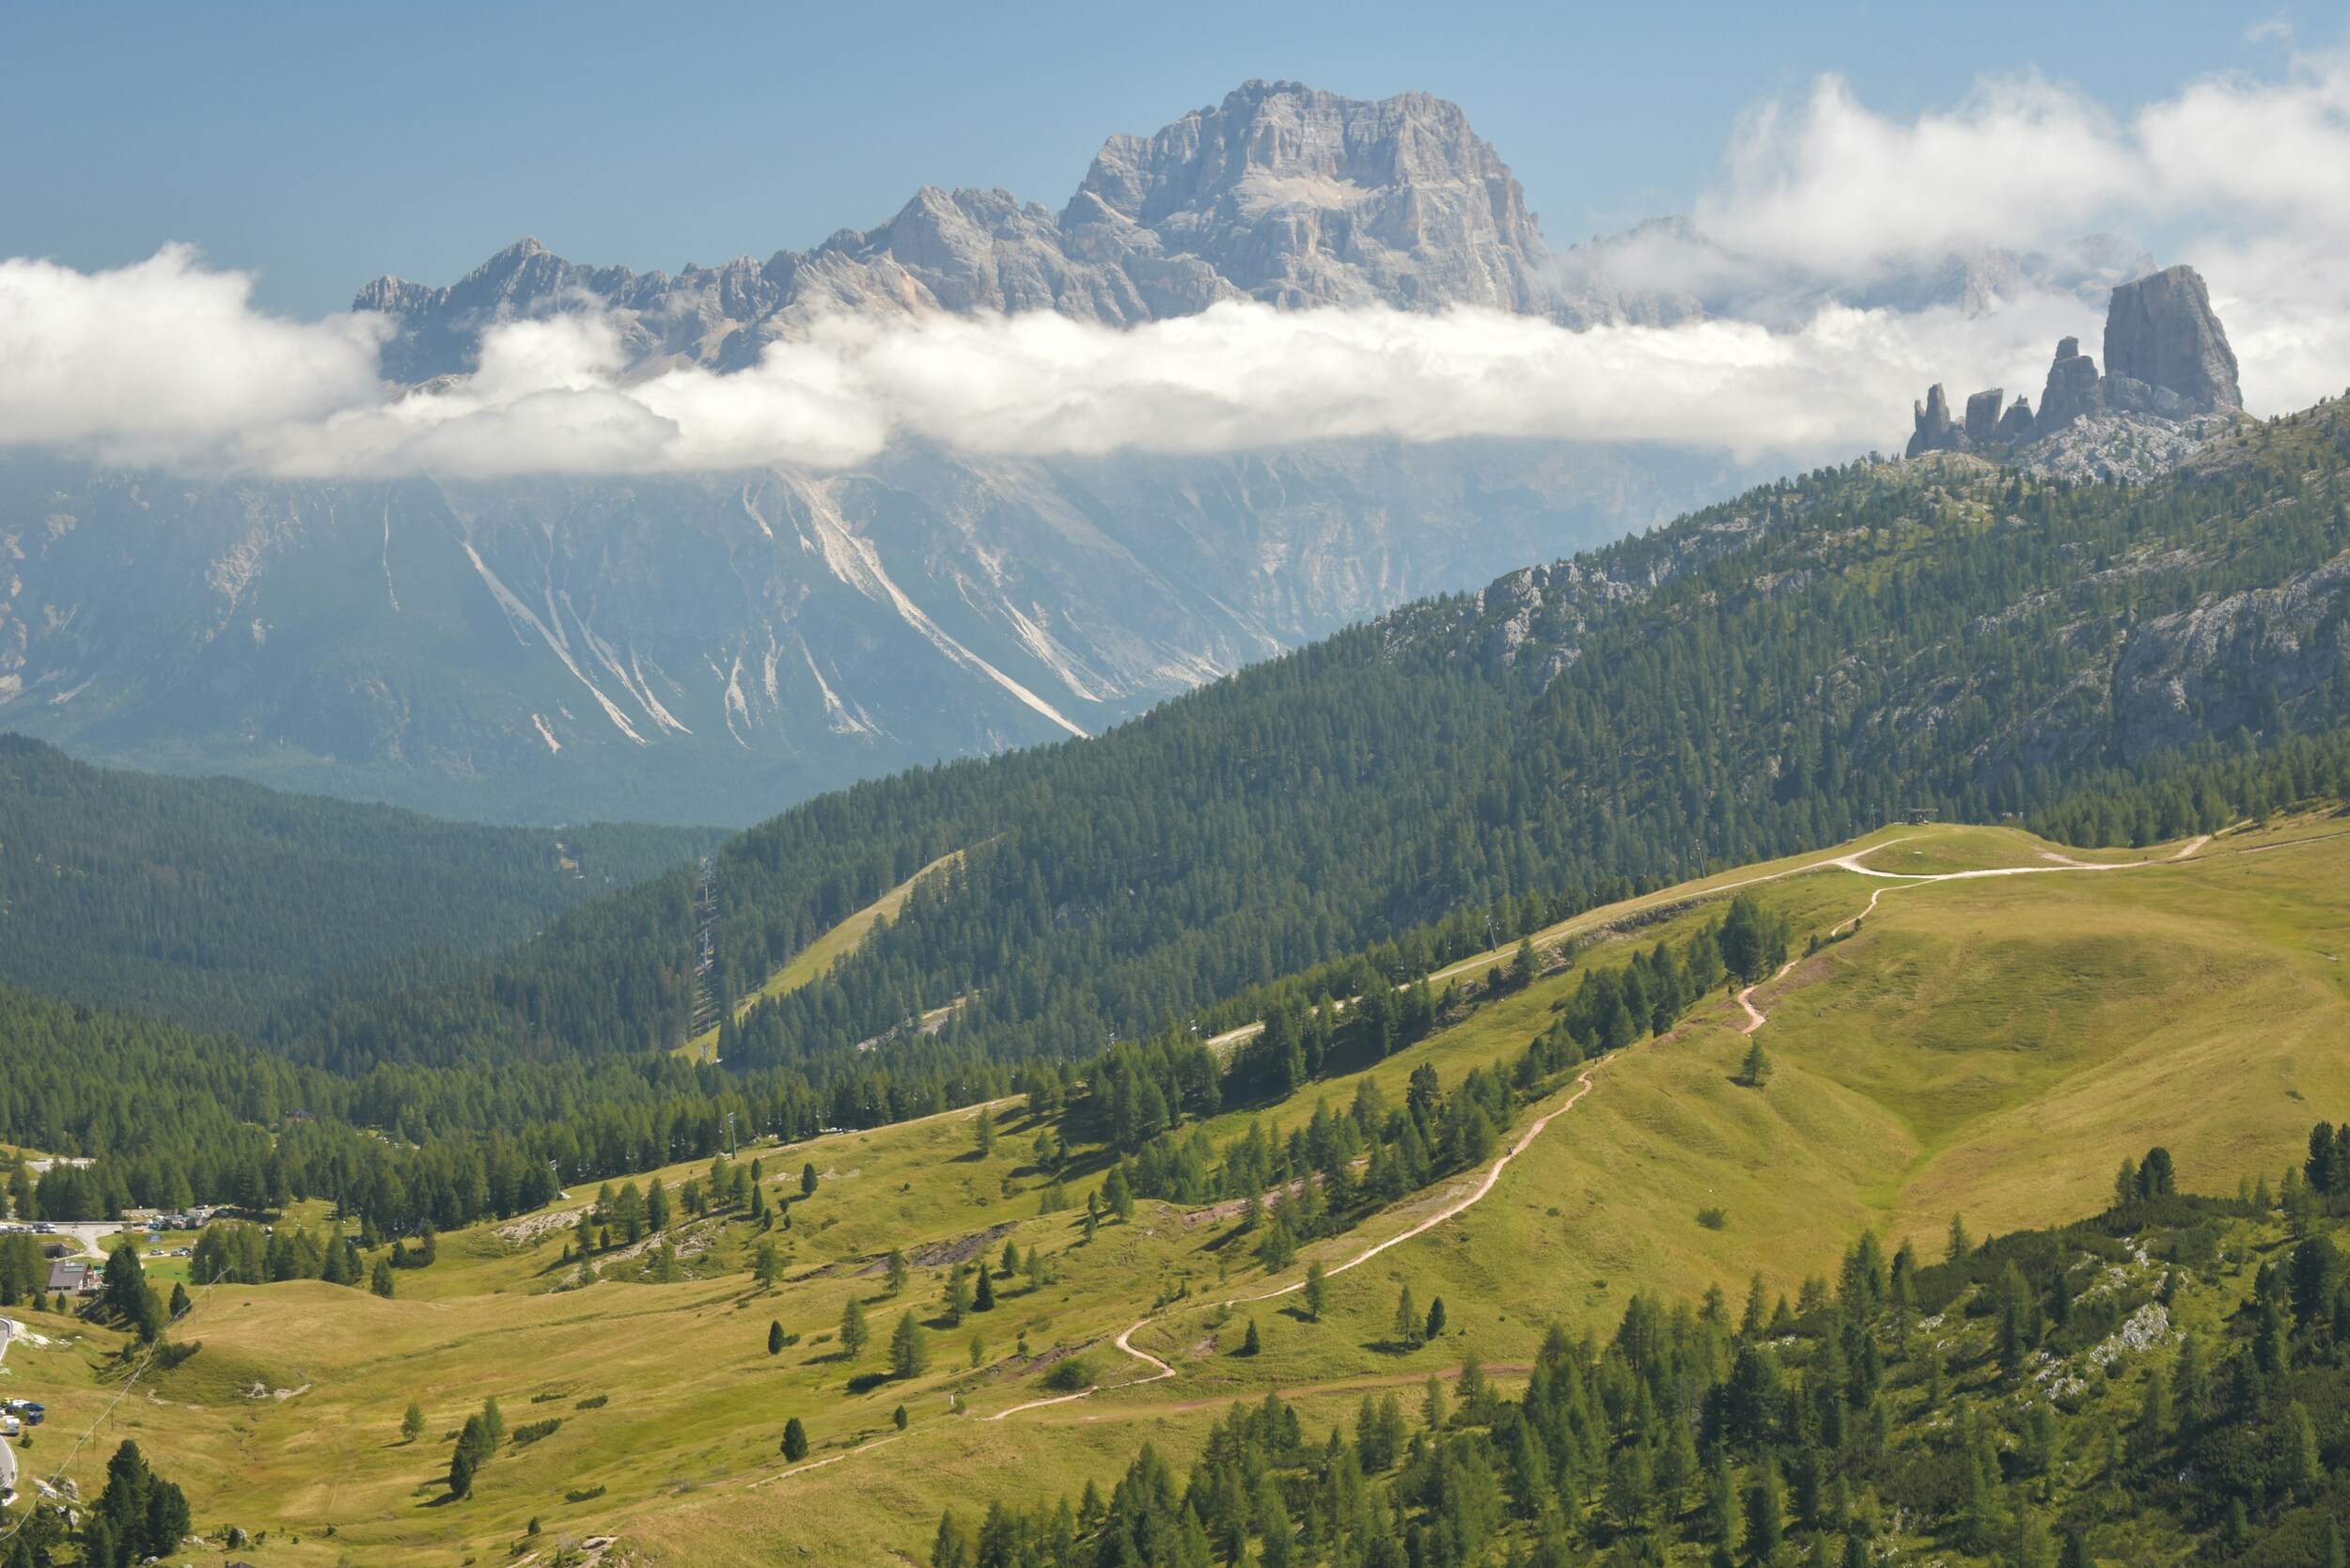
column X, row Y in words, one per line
column 1816, row 204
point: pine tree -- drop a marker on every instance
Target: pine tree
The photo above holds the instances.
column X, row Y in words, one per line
column 412, row 1423
column 380, row 1278
column 766, row 1265
column 461, row 1469
column 854, row 1332
column 1316, row 1290
column 774, row 1339
column 183, row 1302
column 794, row 1441
column 949, row 1548
column 1436, row 1317
column 1250, row 1344
column 909, row 1349
column 1009, row 1264
column 899, row 1271
column 807, row 1179
column 1767, row 1509
column 1409, row 1327
column 984, row 1132
column 983, row 1293
column 1960, row 1244
column 959, row 1294
column 1756, row 1072
column 899, row 1415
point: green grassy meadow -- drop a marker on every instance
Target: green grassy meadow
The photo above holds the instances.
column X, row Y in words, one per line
column 1990, row 1046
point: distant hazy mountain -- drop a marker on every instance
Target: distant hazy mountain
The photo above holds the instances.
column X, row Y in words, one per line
column 713, row 648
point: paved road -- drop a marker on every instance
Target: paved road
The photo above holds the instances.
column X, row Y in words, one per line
column 7, row 1451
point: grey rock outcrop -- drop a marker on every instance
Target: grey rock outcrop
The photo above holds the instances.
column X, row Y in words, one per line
column 2160, row 333
column 2167, row 359
column 1934, row 431
column 2072, row 392
column 1983, row 415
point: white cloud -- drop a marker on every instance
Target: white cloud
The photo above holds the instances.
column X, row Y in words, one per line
column 551, row 396
column 2245, row 178
column 167, row 361
column 164, row 357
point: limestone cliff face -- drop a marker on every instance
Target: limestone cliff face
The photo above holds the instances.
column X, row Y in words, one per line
column 2161, row 335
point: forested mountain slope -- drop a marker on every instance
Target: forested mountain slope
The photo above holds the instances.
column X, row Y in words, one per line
column 210, row 900
column 1779, row 671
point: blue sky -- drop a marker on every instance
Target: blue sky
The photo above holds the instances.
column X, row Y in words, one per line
column 322, row 143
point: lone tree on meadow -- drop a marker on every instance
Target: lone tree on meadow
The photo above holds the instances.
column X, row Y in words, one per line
column 1409, row 1332
column 899, row 1273
column 1757, row 1069
column 412, row 1424
column 807, row 1179
column 909, row 1349
column 959, row 1294
column 1316, row 1290
column 774, row 1339
column 984, row 1132
column 854, row 1335
column 795, row 1440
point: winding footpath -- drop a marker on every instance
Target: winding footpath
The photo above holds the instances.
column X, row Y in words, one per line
column 1450, row 1210
column 1755, row 1018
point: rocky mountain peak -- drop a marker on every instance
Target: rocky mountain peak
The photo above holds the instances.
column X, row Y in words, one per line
column 1282, row 193
column 2167, row 361
column 2162, row 334
column 1302, row 197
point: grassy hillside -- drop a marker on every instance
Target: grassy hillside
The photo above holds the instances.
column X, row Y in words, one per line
column 813, row 962
column 212, row 902
column 1990, row 1046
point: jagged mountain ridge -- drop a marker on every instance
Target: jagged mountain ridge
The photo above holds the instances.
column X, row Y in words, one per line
column 1280, row 194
